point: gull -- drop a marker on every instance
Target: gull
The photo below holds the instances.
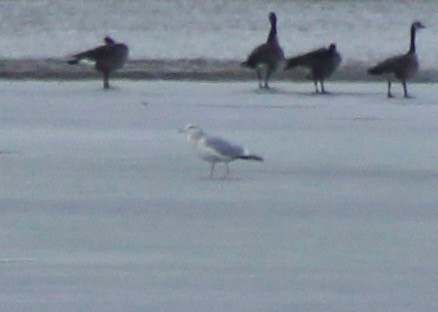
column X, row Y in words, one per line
column 214, row 149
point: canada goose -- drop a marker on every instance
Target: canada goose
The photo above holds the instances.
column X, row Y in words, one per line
column 108, row 58
column 214, row 149
column 266, row 57
column 402, row 66
column 322, row 63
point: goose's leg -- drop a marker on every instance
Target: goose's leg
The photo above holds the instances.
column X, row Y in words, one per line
column 106, row 80
column 322, row 87
column 316, row 86
column 389, row 89
column 405, row 89
column 259, row 77
column 267, row 75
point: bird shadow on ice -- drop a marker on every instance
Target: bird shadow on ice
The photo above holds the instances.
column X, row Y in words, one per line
column 258, row 106
column 410, row 101
column 400, row 100
column 360, row 118
column 329, row 94
column 18, row 260
column 220, row 179
column 379, row 171
column 8, row 153
column 96, row 89
column 312, row 94
column 267, row 91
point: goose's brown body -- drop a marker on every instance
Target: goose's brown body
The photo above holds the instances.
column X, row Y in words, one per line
column 266, row 58
column 322, row 64
column 402, row 67
column 109, row 58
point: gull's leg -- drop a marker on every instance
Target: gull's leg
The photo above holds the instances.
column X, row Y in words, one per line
column 226, row 171
column 212, row 169
column 389, row 89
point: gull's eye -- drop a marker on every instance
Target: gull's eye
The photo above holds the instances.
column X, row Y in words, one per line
column 191, row 127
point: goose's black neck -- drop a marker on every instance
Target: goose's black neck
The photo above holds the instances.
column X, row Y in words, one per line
column 412, row 46
column 272, row 37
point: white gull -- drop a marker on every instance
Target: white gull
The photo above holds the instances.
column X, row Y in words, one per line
column 215, row 149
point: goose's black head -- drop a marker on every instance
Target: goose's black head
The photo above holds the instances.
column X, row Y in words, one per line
column 272, row 18
column 109, row 40
column 417, row 25
column 332, row 47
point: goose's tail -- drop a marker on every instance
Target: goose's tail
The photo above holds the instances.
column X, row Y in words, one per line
column 302, row 60
column 73, row 61
column 376, row 70
column 78, row 57
column 248, row 63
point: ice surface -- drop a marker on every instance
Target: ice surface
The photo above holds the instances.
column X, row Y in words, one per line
column 103, row 207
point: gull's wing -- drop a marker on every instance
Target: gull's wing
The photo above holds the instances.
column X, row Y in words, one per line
column 223, row 147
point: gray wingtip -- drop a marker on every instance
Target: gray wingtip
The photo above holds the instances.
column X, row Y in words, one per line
column 252, row 157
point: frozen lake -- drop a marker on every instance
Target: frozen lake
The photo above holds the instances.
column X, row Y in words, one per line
column 105, row 207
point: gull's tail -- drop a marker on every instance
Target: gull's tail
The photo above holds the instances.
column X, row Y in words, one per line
column 251, row 157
